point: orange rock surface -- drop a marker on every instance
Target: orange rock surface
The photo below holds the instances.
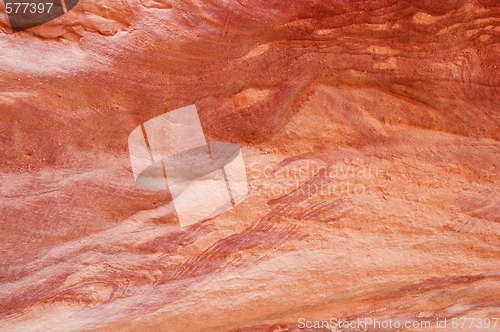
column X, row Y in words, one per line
column 370, row 132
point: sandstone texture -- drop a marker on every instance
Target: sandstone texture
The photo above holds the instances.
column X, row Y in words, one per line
column 370, row 132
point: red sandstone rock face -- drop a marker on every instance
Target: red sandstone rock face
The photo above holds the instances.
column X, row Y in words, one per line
column 370, row 133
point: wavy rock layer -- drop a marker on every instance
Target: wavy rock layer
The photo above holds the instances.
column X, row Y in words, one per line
column 370, row 132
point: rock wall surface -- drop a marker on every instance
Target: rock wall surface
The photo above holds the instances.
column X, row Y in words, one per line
column 371, row 137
